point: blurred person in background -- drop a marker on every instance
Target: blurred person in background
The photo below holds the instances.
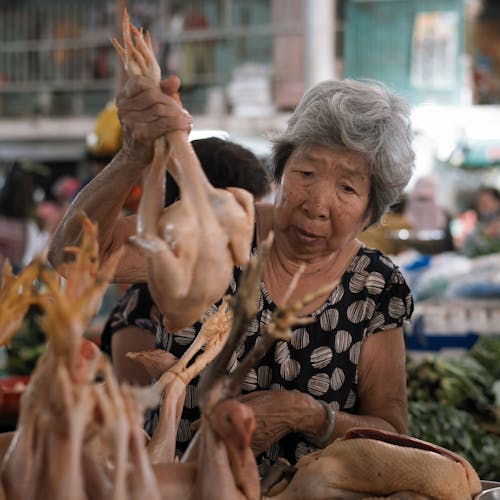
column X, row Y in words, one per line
column 21, row 237
column 484, row 237
column 426, row 215
column 50, row 212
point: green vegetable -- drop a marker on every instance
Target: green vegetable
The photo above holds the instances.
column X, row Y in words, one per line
column 455, row 403
column 457, row 431
column 26, row 346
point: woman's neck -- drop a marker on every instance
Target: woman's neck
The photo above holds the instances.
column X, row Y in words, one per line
column 288, row 263
column 282, row 265
column 280, row 269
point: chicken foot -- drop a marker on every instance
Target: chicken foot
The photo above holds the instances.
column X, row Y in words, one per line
column 245, row 307
column 64, row 478
column 172, row 384
column 17, row 293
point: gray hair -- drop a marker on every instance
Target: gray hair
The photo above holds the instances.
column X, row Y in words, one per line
column 361, row 116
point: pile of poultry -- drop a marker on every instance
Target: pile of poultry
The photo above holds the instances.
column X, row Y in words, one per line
column 79, row 433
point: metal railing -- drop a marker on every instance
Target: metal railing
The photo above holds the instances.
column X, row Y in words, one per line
column 56, row 58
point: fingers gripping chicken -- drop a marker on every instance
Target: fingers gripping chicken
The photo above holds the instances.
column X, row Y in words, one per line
column 193, row 245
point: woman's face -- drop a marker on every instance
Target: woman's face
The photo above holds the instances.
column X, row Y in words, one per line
column 322, row 201
column 486, row 204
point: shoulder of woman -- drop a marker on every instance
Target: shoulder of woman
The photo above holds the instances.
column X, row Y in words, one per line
column 373, row 260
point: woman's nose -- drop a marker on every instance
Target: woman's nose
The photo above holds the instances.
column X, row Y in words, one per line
column 318, row 203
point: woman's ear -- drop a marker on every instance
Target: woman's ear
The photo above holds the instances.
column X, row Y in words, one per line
column 368, row 221
column 366, row 226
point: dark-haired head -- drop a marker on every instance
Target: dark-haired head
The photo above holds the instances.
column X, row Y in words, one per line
column 487, row 202
column 226, row 164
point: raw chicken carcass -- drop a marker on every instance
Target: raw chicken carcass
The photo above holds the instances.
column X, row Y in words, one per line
column 54, row 410
column 369, row 463
column 192, row 245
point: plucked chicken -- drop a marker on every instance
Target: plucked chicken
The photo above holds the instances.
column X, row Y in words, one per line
column 193, row 245
column 368, row 463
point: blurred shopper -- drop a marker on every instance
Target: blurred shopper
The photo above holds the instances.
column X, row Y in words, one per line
column 426, row 215
column 485, row 235
column 50, row 212
column 21, row 238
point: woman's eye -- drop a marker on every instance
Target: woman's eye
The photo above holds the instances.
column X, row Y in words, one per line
column 306, row 173
column 347, row 188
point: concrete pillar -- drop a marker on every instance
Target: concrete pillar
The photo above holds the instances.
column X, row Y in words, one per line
column 319, row 41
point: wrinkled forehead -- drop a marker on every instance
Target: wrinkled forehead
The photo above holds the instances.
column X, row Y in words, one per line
column 346, row 160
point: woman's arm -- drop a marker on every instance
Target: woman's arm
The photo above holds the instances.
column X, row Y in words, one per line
column 146, row 112
column 382, row 380
column 102, row 200
column 381, row 389
column 131, row 339
column 381, row 392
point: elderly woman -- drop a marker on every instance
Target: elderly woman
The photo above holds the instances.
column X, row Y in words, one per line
column 343, row 159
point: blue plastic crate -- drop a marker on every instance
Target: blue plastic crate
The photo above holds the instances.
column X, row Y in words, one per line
column 420, row 340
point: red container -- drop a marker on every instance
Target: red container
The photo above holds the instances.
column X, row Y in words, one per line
column 11, row 389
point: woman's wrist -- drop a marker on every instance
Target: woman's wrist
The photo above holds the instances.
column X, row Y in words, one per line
column 132, row 161
column 320, row 426
column 138, row 153
column 321, row 440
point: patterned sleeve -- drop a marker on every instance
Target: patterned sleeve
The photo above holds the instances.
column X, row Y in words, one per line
column 134, row 308
column 395, row 305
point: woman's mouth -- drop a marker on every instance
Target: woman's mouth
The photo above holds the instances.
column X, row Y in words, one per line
column 306, row 236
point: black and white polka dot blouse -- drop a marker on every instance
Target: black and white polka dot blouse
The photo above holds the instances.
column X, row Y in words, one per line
column 322, row 357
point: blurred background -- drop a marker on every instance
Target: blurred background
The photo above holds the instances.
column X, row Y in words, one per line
column 244, row 65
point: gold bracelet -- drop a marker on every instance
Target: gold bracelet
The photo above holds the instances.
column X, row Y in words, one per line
column 325, row 438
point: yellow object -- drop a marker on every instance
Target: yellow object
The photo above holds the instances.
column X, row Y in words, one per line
column 382, row 237
column 106, row 138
